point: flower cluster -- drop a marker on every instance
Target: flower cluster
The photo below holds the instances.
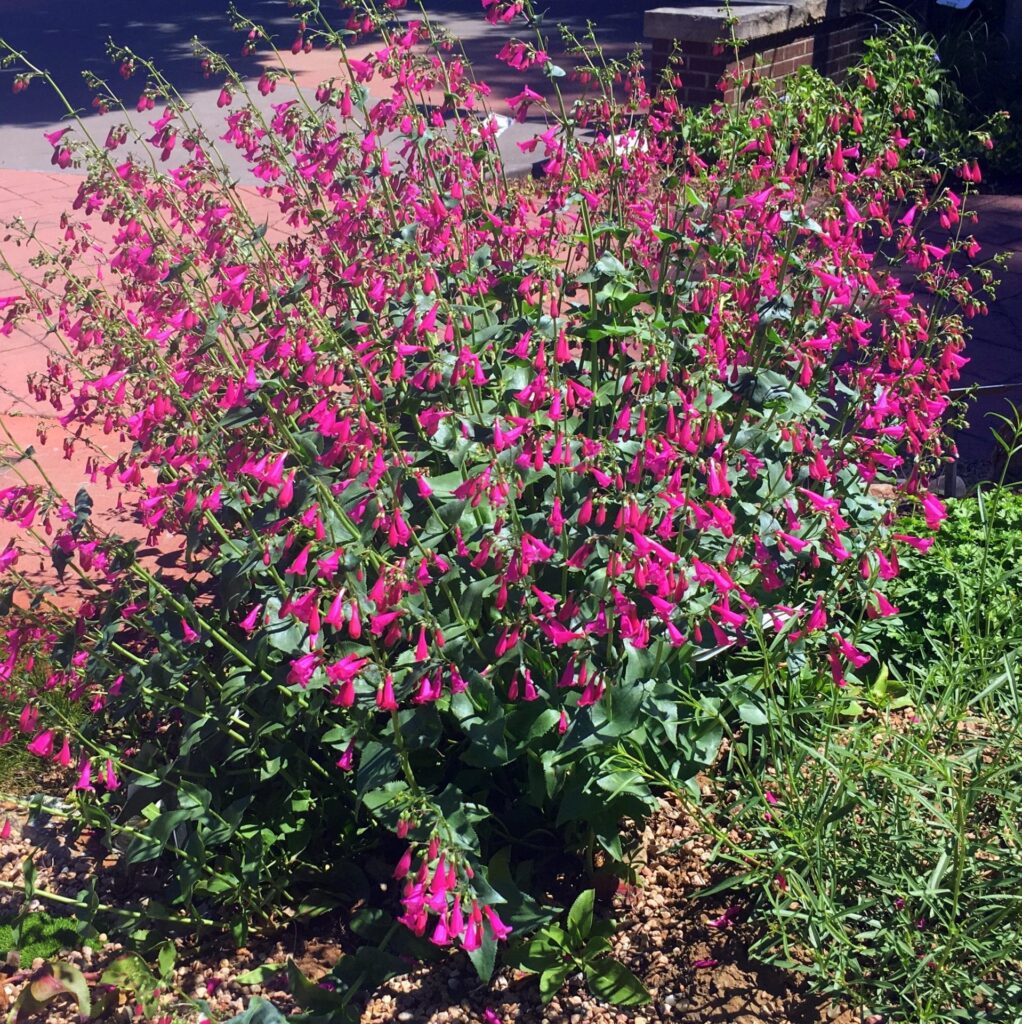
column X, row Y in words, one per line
column 457, row 465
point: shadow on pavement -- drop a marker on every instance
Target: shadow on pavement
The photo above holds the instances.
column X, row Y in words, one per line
column 67, row 38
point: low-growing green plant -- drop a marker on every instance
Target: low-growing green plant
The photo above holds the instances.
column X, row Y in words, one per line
column 127, row 978
column 967, row 586
column 582, row 945
column 970, row 579
column 881, row 850
column 34, row 933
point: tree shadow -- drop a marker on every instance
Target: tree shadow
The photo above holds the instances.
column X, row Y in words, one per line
column 68, row 38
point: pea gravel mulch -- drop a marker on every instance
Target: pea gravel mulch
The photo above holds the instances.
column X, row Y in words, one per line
column 696, row 973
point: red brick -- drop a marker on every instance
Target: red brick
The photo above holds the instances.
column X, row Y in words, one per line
column 833, row 47
column 711, row 65
column 698, row 97
column 696, row 80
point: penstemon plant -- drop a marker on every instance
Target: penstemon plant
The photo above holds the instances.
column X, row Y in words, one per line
column 468, row 476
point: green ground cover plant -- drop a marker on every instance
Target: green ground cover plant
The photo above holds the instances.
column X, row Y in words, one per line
column 37, row 934
column 479, row 487
column 968, row 583
column 884, row 849
column 881, row 851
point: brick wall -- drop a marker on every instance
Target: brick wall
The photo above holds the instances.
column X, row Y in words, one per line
column 831, row 46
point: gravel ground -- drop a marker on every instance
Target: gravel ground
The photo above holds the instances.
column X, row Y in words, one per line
column 697, row 974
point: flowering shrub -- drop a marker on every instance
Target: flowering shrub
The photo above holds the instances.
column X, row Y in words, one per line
column 467, row 477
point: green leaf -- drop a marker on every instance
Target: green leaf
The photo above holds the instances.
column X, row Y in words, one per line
column 310, row 996
column 83, row 509
column 484, row 957
column 317, row 902
column 259, row 1011
column 520, row 911
column 752, row 714
column 378, row 765
column 612, row 982
column 256, row 976
column 551, row 980
column 542, row 953
column 51, row 981
column 130, row 972
column 580, row 917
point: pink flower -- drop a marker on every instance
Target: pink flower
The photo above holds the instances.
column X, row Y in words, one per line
column 385, row 695
column 500, row 930
column 934, row 511
column 346, row 761
column 299, row 566
column 84, row 782
column 249, row 622
column 64, row 755
column 851, row 653
column 54, row 137
column 404, row 865
column 921, row 544
column 880, row 607
column 42, row 745
column 726, row 919
column 302, row 669
column 817, row 617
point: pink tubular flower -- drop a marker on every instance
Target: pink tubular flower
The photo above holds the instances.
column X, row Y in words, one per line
column 880, row 607
column 385, row 695
column 346, row 761
column 500, row 930
column 851, row 653
column 817, row 617
column 302, row 669
column 249, row 622
column 84, row 783
column 63, row 757
column 921, row 544
column 300, row 565
column 42, row 745
column 934, row 511
column 730, row 915
column 404, row 865
column 8, row 556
